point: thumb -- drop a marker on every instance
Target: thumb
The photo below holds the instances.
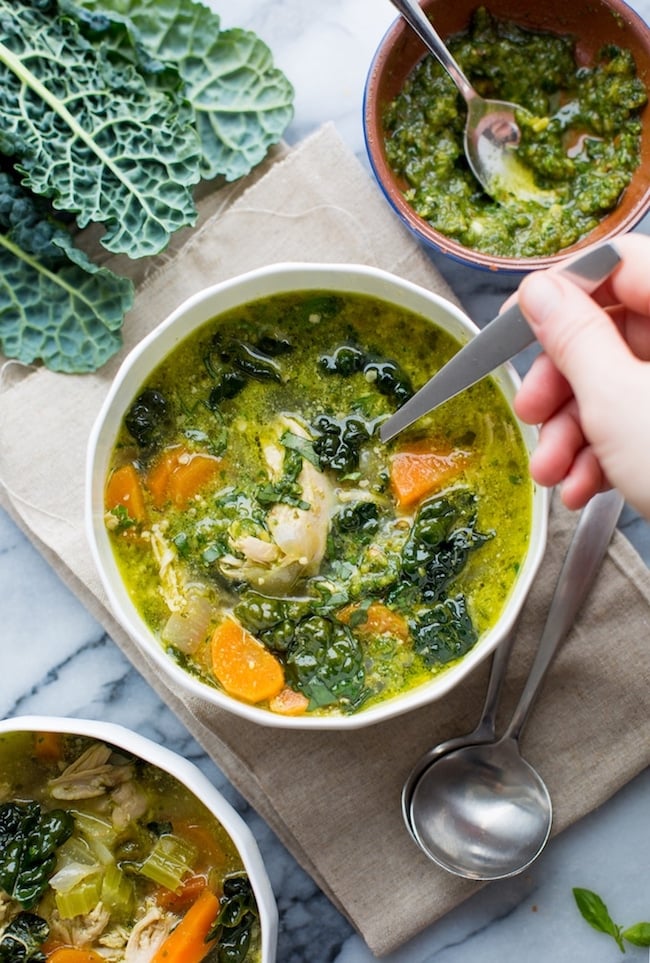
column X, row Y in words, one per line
column 576, row 333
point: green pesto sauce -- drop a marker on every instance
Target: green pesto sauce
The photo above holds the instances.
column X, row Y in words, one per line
column 301, row 332
column 582, row 143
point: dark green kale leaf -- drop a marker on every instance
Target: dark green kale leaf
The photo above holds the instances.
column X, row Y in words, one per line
column 272, row 620
column 22, row 939
column 444, row 632
column 388, row 377
column 56, row 306
column 125, row 156
column 146, row 417
column 443, row 535
column 325, row 662
column 241, row 102
column 29, row 840
column 345, row 360
column 237, row 917
column 338, row 441
column 251, row 360
column 352, row 528
column 232, row 363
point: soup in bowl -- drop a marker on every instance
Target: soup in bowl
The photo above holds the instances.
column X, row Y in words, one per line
column 113, row 848
column 259, row 541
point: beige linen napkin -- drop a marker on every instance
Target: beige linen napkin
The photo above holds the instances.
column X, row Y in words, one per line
column 335, row 800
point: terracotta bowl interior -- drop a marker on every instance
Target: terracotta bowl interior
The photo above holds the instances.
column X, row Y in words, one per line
column 592, row 23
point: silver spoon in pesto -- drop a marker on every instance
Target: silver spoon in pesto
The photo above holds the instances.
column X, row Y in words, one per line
column 492, row 133
column 482, row 811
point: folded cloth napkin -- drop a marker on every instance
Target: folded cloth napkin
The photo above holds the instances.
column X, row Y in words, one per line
column 335, row 800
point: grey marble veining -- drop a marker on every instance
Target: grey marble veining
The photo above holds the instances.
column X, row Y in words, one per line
column 57, row 659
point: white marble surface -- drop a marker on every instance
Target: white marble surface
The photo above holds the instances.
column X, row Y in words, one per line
column 57, row 660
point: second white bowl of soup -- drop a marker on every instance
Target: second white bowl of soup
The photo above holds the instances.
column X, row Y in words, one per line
column 122, row 851
column 258, row 540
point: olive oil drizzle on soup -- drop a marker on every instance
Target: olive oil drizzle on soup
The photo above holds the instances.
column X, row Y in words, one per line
column 275, row 546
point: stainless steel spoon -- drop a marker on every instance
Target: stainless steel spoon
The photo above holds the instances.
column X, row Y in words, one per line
column 491, row 130
column 484, row 731
column 482, row 811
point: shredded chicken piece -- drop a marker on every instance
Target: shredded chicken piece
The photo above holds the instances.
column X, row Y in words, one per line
column 148, row 935
column 115, row 939
column 8, row 908
column 90, row 775
column 80, row 930
column 130, row 802
column 256, row 549
column 299, row 536
column 172, row 583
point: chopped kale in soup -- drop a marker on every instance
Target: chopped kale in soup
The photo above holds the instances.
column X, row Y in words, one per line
column 105, row 857
column 277, row 549
column 581, row 140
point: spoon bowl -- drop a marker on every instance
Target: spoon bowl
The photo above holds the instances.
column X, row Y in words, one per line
column 482, row 811
column 484, row 731
column 514, row 805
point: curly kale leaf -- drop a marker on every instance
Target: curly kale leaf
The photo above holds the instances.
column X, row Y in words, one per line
column 147, row 416
column 56, row 306
column 444, row 632
column 237, row 917
column 88, row 132
column 22, row 939
column 242, row 103
column 325, row 662
column 338, row 441
column 443, row 535
column 29, row 840
column 387, row 376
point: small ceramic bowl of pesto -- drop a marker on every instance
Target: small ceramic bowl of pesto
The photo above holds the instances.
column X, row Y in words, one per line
column 581, row 71
column 262, row 545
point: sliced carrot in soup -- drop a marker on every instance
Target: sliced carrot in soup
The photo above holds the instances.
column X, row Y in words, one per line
column 288, row 702
column 379, row 620
column 178, row 475
column 70, row 954
column 421, row 470
column 244, row 667
column 125, row 489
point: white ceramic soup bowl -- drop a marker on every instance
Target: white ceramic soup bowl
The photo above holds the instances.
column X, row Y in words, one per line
column 153, row 349
column 194, row 780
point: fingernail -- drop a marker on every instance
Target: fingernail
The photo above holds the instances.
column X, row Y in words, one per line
column 539, row 296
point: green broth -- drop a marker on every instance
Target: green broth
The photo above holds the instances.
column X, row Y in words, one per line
column 582, row 144
column 96, row 843
column 297, row 463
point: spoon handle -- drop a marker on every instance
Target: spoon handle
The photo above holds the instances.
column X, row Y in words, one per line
column 420, row 23
column 587, row 549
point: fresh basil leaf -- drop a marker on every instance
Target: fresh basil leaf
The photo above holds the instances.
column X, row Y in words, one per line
column 594, row 911
column 125, row 156
column 638, row 935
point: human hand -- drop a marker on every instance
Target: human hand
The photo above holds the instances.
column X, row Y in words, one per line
column 590, row 388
